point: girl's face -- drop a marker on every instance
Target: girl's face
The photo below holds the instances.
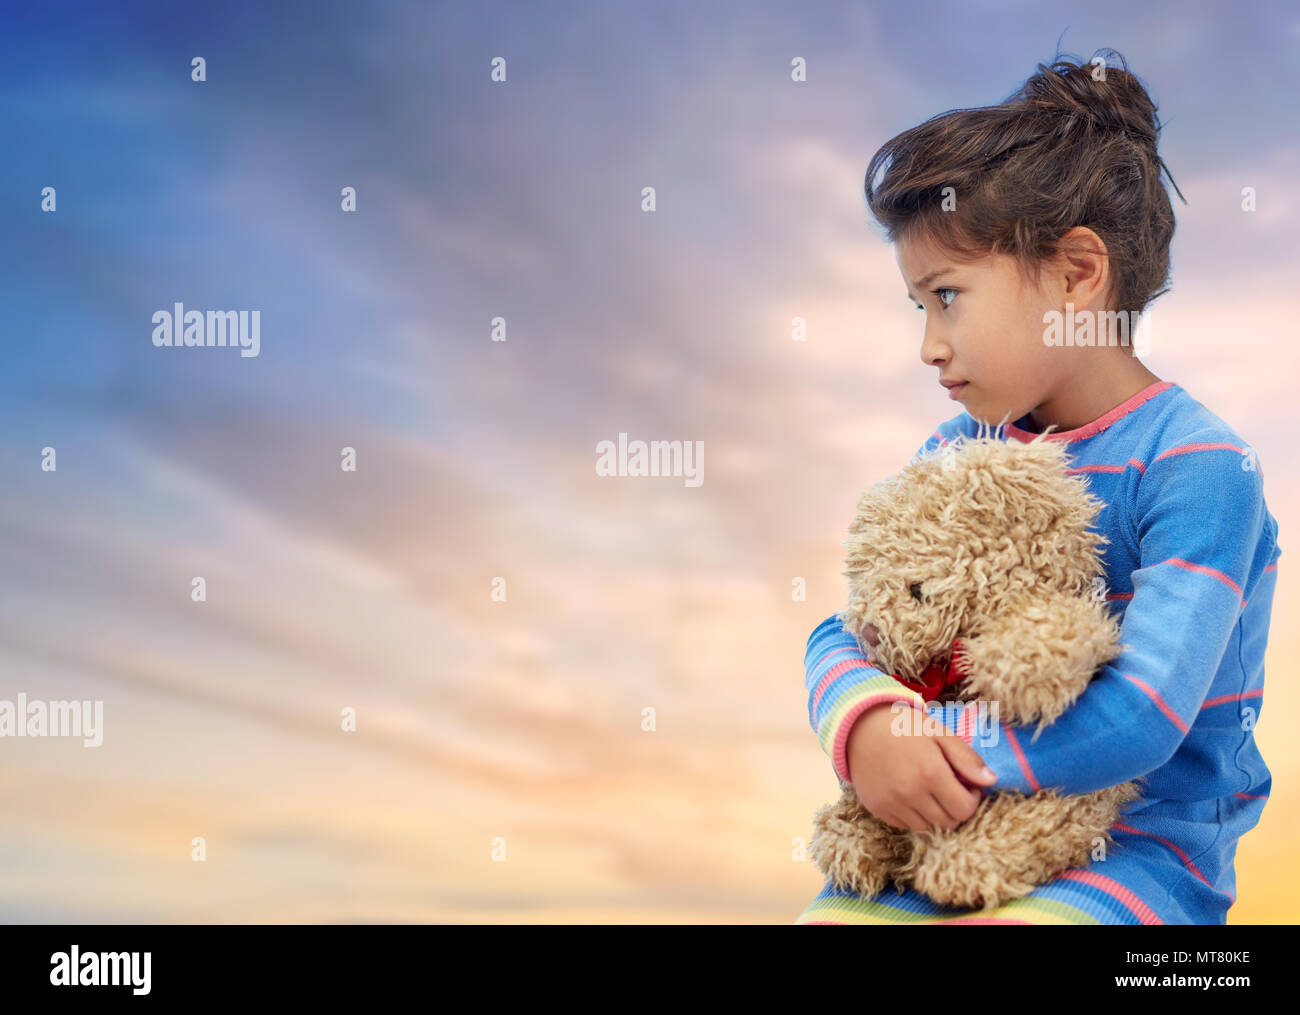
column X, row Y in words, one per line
column 984, row 326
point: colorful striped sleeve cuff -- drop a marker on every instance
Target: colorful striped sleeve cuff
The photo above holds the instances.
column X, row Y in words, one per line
column 841, row 686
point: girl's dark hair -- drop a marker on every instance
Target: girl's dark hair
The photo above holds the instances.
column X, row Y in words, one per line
column 1075, row 145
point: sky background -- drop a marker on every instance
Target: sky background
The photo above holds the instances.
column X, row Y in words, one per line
column 326, row 589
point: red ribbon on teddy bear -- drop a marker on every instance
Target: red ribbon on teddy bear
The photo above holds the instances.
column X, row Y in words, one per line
column 935, row 678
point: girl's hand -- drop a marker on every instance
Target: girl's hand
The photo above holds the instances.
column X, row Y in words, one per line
column 914, row 782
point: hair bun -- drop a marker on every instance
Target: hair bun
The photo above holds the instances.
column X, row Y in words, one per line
column 1103, row 96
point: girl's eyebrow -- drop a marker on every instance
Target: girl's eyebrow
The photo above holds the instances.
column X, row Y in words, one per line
column 928, row 279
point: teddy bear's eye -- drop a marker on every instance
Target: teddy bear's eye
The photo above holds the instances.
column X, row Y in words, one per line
column 915, row 589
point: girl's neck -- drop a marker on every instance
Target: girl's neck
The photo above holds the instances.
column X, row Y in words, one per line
column 1092, row 395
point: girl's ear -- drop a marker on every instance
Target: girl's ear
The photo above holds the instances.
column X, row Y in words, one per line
column 1039, row 656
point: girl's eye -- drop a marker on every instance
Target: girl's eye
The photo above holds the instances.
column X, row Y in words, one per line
column 937, row 292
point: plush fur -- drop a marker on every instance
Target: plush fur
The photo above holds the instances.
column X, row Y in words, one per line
column 997, row 536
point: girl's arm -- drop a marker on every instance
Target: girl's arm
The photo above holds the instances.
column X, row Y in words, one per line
column 1207, row 549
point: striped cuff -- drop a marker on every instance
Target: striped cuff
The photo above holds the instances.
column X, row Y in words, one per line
column 873, row 688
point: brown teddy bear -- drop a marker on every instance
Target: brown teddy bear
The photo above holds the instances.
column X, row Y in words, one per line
column 976, row 563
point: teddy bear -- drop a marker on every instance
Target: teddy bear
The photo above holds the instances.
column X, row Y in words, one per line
column 977, row 574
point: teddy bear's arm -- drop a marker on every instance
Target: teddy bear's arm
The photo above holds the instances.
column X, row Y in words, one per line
column 1035, row 660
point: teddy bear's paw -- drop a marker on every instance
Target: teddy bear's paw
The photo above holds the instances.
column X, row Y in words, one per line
column 1123, row 794
column 864, row 882
column 983, row 864
column 1021, row 691
column 1036, row 660
column 967, row 884
column 1089, row 819
column 847, row 865
column 853, row 848
column 1013, row 845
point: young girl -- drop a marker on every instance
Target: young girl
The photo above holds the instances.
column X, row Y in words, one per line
column 1052, row 202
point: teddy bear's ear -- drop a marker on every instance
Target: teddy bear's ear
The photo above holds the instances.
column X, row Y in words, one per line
column 876, row 505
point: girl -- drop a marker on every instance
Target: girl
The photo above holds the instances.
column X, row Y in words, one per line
column 1019, row 229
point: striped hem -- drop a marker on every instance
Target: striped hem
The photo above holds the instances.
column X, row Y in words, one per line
column 1077, row 896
